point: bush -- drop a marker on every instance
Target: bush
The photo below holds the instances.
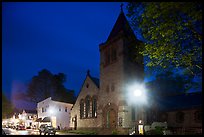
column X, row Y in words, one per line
column 156, row 131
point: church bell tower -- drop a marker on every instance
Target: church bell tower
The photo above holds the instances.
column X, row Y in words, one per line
column 118, row 68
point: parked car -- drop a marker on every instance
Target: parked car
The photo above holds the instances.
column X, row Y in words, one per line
column 20, row 127
column 46, row 129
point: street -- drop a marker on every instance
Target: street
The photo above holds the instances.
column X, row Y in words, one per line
column 10, row 131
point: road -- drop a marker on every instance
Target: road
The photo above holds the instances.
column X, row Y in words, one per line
column 10, row 131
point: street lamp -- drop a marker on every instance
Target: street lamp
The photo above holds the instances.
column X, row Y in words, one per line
column 136, row 96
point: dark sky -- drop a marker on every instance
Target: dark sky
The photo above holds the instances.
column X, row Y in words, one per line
column 61, row 37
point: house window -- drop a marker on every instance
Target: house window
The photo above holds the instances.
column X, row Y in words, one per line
column 43, row 109
column 87, row 101
column 87, row 85
column 198, row 116
column 65, row 109
column 179, row 117
column 59, row 108
column 94, row 107
column 82, row 108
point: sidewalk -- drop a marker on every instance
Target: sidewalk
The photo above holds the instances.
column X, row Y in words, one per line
column 62, row 133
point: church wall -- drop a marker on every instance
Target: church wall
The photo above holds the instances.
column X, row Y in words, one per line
column 189, row 119
column 91, row 91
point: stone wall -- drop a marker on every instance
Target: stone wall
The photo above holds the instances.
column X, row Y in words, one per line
column 92, row 90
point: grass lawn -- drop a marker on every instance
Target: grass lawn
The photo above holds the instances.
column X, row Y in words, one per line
column 84, row 132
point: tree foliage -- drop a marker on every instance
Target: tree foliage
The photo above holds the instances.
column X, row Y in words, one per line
column 169, row 83
column 7, row 107
column 172, row 33
column 45, row 85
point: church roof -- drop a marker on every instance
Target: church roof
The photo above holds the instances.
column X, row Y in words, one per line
column 95, row 80
column 121, row 24
column 181, row 101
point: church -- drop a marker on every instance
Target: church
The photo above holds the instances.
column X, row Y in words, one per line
column 116, row 101
column 104, row 103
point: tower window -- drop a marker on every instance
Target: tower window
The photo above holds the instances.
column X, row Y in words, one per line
column 107, row 88
column 112, row 87
column 113, row 54
column 107, row 57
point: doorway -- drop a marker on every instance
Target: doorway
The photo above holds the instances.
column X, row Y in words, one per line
column 111, row 119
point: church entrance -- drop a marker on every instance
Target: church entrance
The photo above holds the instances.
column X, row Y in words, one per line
column 111, row 119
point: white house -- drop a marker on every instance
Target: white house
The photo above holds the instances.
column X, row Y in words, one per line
column 58, row 112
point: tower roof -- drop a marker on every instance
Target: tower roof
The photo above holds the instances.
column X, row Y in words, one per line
column 121, row 24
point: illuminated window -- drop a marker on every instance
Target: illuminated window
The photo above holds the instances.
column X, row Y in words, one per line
column 82, row 108
column 87, row 101
column 94, row 107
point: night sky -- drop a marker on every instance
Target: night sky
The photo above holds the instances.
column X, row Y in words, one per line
column 60, row 37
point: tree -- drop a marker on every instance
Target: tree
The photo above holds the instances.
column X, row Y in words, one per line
column 169, row 83
column 172, row 32
column 7, row 107
column 41, row 86
column 45, row 85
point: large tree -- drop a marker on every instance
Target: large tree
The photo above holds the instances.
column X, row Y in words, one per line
column 7, row 107
column 45, row 85
column 172, row 33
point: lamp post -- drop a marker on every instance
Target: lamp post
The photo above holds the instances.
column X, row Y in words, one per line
column 137, row 98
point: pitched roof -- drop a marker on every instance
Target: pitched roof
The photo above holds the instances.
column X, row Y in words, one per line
column 181, row 101
column 121, row 24
column 95, row 80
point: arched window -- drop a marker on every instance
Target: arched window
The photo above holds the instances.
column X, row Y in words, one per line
column 94, row 106
column 82, row 108
column 87, row 101
column 179, row 117
column 198, row 116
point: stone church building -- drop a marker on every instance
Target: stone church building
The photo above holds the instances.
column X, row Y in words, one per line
column 104, row 103
column 109, row 103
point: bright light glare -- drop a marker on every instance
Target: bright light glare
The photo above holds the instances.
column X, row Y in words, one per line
column 51, row 111
column 137, row 93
